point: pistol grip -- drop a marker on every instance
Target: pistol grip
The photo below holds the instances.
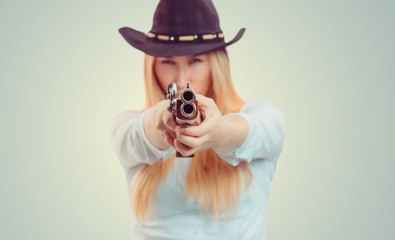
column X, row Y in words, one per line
column 181, row 156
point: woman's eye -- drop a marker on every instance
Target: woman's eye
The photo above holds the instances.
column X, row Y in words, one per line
column 167, row 61
column 195, row 60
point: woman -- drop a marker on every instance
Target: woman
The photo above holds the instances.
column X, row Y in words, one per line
column 221, row 192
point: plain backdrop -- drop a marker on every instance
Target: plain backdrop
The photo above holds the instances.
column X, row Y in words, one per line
column 65, row 72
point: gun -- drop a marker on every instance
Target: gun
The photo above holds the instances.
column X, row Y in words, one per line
column 185, row 108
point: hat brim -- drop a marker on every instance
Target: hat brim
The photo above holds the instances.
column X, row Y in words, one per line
column 139, row 40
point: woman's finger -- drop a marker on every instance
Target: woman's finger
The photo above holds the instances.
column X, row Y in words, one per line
column 168, row 121
column 193, row 131
column 183, row 149
column 195, row 143
column 189, row 141
column 169, row 138
column 204, row 101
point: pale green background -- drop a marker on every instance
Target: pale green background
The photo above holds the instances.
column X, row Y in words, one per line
column 65, row 71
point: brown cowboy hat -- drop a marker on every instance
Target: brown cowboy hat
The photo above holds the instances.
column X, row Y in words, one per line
column 181, row 27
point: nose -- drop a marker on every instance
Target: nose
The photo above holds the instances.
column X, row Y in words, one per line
column 182, row 76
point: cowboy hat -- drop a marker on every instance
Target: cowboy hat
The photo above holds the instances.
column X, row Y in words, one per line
column 181, row 27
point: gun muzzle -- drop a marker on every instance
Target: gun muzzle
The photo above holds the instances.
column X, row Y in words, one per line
column 187, row 108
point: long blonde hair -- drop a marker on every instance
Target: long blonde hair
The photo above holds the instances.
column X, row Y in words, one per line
column 210, row 180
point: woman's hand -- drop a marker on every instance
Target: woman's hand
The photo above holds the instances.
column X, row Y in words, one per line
column 215, row 131
column 159, row 125
column 197, row 138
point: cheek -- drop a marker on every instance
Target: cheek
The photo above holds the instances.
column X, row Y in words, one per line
column 209, row 86
column 163, row 77
column 206, row 80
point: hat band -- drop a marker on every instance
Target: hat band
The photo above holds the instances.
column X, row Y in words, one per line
column 210, row 37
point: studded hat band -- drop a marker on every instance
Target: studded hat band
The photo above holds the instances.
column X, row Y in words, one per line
column 186, row 38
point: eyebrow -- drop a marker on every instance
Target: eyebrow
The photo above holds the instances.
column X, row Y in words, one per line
column 191, row 56
column 164, row 58
column 196, row 55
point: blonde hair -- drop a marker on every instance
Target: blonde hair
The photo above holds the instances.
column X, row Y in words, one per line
column 213, row 182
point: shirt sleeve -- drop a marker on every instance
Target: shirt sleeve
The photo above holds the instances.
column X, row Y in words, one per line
column 131, row 144
column 266, row 133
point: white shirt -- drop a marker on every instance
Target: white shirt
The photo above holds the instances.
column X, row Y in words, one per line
column 180, row 218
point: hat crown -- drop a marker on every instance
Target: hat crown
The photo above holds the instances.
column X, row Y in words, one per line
column 184, row 17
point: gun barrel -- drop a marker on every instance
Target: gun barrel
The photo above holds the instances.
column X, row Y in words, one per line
column 188, row 95
column 188, row 110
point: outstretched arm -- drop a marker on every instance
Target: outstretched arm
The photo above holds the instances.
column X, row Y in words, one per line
column 136, row 137
column 223, row 134
column 257, row 132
